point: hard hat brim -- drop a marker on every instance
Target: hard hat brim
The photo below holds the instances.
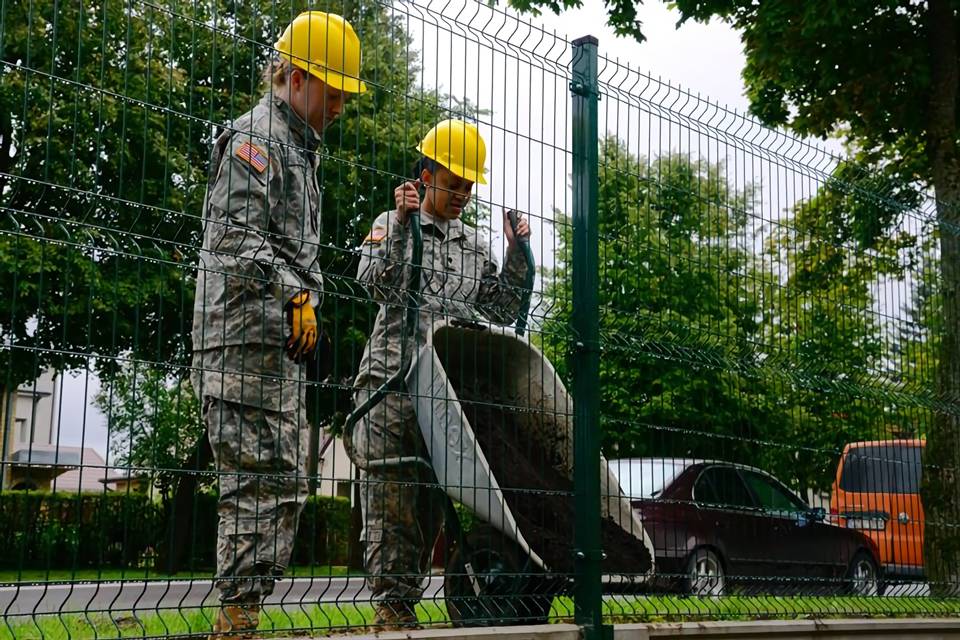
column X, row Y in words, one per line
column 472, row 175
column 339, row 81
column 331, row 78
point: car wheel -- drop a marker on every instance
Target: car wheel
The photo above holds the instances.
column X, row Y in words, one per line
column 705, row 576
column 500, row 585
column 863, row 576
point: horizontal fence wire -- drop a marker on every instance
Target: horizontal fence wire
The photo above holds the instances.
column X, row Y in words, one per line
column 179, row 202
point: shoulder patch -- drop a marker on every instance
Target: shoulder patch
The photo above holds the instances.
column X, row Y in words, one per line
column 253, row 155
column 376, row 235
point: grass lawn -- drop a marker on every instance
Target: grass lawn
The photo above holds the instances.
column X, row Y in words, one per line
column 347, row 616
column 173, row 623
column 678, row 608
column 321, row 619
column 69, row 575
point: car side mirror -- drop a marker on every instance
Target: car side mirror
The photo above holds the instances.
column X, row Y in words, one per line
column 818, row 515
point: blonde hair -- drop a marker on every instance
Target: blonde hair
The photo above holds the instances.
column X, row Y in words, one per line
column 274, row 75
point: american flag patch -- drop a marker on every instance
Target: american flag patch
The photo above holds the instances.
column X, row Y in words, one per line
column 252, row 155
column 376, row 235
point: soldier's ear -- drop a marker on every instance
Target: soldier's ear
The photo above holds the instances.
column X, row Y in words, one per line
column 426, row 177
column 298, row 77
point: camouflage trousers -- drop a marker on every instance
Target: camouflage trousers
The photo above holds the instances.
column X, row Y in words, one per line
column 261, row 458
column 402, row 507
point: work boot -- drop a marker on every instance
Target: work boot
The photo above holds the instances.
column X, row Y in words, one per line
column 233, row 620
column 395, row 615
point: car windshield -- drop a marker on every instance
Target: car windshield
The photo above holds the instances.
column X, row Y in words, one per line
column 882, row 469
column 647, row 478
column 772, row 497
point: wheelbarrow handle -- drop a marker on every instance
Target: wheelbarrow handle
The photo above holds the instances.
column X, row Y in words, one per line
column 524, row 244
column 413, row 283
column 395, row 383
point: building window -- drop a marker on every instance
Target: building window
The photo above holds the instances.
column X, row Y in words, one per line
column 23, row 430
column 343, row 489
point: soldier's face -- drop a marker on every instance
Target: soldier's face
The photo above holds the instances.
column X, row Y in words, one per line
column 447, row 193
column 316, row 102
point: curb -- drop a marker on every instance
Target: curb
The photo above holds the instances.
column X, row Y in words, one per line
column 861, row 629
column 846, row 629
column 519, row 632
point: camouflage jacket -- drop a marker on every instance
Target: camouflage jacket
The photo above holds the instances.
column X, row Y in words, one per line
column 460, row 281
column 261, row 223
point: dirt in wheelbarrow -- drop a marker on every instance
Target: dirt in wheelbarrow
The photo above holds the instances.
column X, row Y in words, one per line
column 539, row 496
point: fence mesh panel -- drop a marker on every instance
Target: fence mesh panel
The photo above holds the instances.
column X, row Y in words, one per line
column 186, row 185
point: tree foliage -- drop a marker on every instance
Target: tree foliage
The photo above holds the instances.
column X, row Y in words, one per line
column 107, row 113
column 718, row 346
column 886, row 76
column 679, row 310
column 153, row 421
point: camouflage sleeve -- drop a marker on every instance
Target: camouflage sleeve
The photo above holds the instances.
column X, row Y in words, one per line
column 501, row 289
column 383, row 258
column 246, row 187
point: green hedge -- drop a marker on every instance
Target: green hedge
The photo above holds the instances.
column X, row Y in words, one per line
column 76, row 530
column 324, row 533
column 52, row 530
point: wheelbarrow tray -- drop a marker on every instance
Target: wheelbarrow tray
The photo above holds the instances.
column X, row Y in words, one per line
column 455, row 356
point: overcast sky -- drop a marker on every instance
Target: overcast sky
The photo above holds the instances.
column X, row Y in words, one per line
column 528, row 130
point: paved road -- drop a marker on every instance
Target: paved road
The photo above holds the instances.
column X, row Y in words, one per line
column 173, row 594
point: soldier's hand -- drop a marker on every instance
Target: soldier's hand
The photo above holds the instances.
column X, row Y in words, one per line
column 302, row 322
column 523, row 229
column 407, row 198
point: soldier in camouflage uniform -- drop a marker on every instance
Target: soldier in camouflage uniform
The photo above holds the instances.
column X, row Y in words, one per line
column 460, row 280
column 254, row 325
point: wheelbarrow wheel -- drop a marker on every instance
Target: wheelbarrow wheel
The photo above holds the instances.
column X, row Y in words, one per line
column 495, row 583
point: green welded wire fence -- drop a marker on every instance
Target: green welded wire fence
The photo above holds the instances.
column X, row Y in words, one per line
column 718, row 403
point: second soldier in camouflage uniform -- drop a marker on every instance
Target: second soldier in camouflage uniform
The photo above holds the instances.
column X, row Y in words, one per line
column 258, row 284
column 460, row 280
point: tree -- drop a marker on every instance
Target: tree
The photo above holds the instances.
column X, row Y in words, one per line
column 821, row 321
column 885, row 74
column 679, row 311
column 913, row 367
column 107, row 113
column 153, row 418
column 94, row 176
column 775, row 366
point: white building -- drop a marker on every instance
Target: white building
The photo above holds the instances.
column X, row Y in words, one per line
column 29, row 429
column 335, row 471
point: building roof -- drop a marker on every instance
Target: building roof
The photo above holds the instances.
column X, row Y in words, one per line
column 87, row 477
column 46, row 455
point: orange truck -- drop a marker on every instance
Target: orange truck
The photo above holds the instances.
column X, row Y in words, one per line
column 877, row 491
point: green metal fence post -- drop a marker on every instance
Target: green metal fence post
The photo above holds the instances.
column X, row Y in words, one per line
column 586, row 377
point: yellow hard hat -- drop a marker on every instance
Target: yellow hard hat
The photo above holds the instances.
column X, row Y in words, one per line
column 325, row 45
column 457, row 145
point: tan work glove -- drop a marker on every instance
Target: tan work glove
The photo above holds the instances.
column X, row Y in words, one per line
column 302, row 322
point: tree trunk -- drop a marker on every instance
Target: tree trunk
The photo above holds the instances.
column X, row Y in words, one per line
column 180, row 515
column 941, row 486
column 5, row 420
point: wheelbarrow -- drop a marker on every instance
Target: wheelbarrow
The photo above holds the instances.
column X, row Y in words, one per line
column 485, row 398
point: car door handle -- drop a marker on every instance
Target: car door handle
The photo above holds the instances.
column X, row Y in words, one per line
column 903, row 518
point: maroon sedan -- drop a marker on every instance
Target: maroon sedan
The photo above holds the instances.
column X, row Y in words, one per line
column 716, row 524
